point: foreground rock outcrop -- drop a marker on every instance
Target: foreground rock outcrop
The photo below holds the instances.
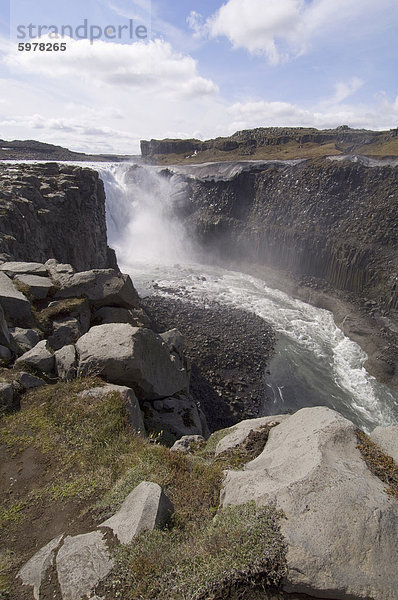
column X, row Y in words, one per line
column 55, row 334
column 340, row 523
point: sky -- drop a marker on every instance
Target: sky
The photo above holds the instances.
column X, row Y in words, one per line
column 190, row 68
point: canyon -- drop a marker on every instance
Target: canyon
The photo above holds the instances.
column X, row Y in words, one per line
column 97, row 384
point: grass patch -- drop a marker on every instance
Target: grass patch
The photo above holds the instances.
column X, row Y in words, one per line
column 378, row 463
column 85, row 459
column 241, row 549
column 83, row 442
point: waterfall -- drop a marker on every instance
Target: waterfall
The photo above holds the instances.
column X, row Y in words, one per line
column 142, row 214
column 315, row 363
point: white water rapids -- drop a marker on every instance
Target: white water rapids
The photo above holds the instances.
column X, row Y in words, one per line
column 315, row 363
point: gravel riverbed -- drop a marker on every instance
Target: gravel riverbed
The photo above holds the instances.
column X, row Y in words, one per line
column 229, row 349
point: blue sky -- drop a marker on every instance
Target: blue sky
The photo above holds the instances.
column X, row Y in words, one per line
column 206, row 69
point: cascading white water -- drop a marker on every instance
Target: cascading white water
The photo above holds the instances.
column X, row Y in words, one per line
column 142, row 224
column 315, row 362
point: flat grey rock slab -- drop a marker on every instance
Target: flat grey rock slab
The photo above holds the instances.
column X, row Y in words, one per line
column 31, row 268
column 82, row 562
column 39, row 287
column 40, row 357
column 131, row 356
column 340, row 525
column 127, row 394
column 102, row 287
column 240, row 432
column 33, row 572
column 145, row 508
column 15, row 305
column 387, row 439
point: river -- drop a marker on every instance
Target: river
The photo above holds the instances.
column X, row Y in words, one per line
column 314, row 362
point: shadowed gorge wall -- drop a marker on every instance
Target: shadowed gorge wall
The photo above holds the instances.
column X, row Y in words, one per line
column 336, row 220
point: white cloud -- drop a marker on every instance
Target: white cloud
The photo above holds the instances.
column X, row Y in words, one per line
column 150, row 67
column 345, row 89
column 281, row 29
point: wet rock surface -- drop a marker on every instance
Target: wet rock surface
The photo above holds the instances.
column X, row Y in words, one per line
column 229, row 349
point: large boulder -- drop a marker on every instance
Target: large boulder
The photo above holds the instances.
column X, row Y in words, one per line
column 40, row 358
column 340, row 523
column 129, row 398
column 175, row 417
column 102, row 287
column 145, row 508
column 66, row 331
column 83, row 561
column 132, row 356
column 15, row 305
column 60, row 273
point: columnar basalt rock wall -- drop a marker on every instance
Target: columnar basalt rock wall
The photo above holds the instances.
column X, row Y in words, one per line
column 53, row 211
column 336, row 220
